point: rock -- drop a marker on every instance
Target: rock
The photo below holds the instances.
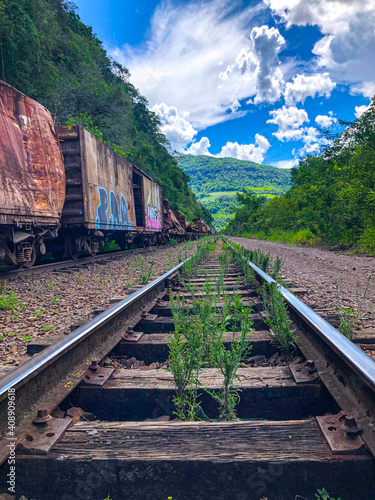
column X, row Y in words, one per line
column 58, row 413
column 257, row 360
column 107, row 361
column 97, row 311
column 77, row 324
column 117, row 298
column 273, row 359
column 88, row 417
column 153, row 366
column 163, row 418
column 75, row 414
column 128, row 364
column 133, row 289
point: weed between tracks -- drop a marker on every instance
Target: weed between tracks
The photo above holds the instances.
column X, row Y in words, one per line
column 278, row 320
column 198, row 339
column 202, row 328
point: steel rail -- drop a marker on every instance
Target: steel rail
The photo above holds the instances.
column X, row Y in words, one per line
column 22, row 374
column 62, row 265
column 360, row 362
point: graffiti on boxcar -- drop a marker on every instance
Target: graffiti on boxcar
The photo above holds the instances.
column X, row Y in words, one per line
column 118, row 218
column 152, row 217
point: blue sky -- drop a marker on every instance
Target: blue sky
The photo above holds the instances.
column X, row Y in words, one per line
column 252, row 80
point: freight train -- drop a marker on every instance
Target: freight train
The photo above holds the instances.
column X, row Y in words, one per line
column 64, row 191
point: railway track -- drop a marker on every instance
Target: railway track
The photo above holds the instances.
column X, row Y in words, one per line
column 303, row 421
column 14, row 272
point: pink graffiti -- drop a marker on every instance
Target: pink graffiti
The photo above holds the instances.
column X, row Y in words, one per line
column 152, row 224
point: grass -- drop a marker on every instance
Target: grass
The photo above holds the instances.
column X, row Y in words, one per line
column 198, row 340
column 278, row 320
column 349, row 317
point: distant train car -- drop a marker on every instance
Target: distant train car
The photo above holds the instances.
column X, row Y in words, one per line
column 105, row 197
column 198, row 226
column 32, row 177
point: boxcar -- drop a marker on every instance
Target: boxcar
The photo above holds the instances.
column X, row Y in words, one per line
column 105, row 196
column 32, row 177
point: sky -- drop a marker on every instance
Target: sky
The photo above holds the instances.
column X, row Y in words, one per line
column 253, row 80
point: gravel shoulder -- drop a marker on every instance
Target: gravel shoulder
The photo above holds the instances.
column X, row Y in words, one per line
column 317, row 270
column 46, row 305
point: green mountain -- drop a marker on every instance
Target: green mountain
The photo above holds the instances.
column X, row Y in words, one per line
column 215, row 182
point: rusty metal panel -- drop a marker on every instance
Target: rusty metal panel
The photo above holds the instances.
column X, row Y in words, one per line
column 32, row 175
column 153, row 205
column 74, row 208
column 109, row 200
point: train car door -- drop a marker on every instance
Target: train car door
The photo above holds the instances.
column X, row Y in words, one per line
column 138, row 201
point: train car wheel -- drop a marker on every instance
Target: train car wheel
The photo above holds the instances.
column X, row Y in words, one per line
column 32, row 260
column 70, row 248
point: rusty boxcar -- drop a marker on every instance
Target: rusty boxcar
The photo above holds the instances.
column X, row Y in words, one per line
column 105, row 196
column 32, row 177
column 69, row 189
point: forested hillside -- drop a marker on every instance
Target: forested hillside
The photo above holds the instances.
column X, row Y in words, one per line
column 332, row 200
column 215, row 182
column 47, row 53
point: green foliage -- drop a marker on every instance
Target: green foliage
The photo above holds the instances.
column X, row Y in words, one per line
column 227, row 361
column 198, row 340
column 349, row 317
column 9, row 301
column 144, row 270
column 278, row 319
column 332, row 200
column 216, row 180
column 324, row 495
column 47, row 53
column 39, row 313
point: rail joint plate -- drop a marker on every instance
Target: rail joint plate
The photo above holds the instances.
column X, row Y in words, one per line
column 339, row 436
column 39, row 439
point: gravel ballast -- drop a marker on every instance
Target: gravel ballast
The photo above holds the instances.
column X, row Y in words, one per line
column 49, row 304
column 317, row 270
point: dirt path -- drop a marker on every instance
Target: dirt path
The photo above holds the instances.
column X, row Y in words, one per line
column 317, row 270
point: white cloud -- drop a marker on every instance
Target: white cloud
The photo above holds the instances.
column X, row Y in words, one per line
column 286, row 163
column 312, row 140
column 359, row 110
column 188, row 46
column 252, row 152
column 199, row 148
column 367, row 89
column 269, row 78
column 304, row 86
column 332, row 16
column 177, row 129
column 348, row 44
column 289, row 120
column 325, row 121
column 235, row 106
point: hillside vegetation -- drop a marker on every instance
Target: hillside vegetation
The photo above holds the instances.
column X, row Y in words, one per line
column 332, row 200
column 215, row 182
column 47, row 53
